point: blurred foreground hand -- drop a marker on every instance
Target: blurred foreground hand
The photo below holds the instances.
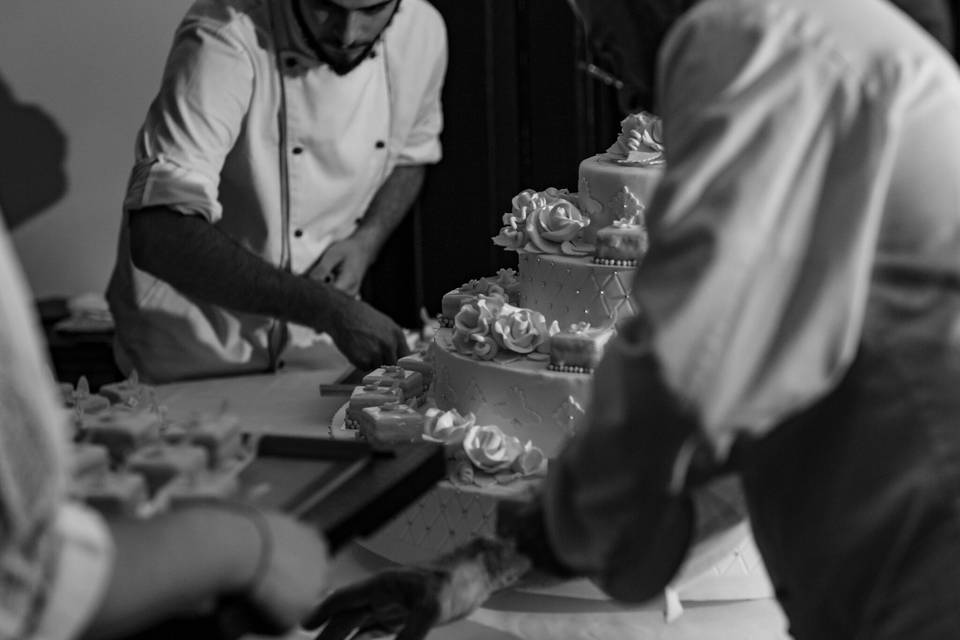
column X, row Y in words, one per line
column 410, row 601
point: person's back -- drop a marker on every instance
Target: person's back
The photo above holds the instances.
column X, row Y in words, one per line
column 839, row 123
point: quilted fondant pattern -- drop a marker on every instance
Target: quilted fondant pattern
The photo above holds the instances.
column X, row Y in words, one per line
column 521, row 396
column 439, row 522
column 571, row 290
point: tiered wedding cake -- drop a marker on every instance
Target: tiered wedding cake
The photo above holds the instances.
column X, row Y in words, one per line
column 511, row 364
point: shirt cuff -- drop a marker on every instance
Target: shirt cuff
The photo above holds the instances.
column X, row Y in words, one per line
column 80, row 576
column 428, row 151
column 160, row 181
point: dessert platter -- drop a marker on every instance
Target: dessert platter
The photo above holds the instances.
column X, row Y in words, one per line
column 506, row 378
column 131, row 459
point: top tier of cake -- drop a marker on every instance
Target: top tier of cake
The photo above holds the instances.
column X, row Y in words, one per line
column 611, row 189
column 578, row 252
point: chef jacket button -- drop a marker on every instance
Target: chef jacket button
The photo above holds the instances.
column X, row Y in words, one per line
column 381, row 144
column 297, row 150
column 298, row 232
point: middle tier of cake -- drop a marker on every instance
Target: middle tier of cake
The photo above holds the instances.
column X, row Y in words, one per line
column 520, row 395
column 572, row 290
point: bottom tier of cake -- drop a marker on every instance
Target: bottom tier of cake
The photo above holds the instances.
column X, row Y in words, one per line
column 726, row 566
column 516, row 393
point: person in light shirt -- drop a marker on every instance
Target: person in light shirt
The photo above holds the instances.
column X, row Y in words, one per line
column 799, row 330
column 287, row 140
column 66, row 572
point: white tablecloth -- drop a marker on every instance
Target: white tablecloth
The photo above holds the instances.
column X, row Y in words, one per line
column 290, row 402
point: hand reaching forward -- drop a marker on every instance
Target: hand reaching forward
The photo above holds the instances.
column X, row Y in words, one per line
column 344, row 264
column 409, row 602
column 367, row 337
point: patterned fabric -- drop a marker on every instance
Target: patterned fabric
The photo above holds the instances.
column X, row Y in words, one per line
column 48, row 549
column 809, row 207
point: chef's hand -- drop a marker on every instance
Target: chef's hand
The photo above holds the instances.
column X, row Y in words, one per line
column 345, row 263
column 410, row 601
column 367, row 337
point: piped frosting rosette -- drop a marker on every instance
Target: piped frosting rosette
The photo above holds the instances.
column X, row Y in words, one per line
column 488, row 325
column 486, row 449
column 448, row 428
column 505, row 282
column 640, row 142
column 472, row 326
column 489, row 450
column 550, row 221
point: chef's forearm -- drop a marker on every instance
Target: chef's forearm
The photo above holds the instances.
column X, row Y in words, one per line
column 202, row 262
column 390, row 204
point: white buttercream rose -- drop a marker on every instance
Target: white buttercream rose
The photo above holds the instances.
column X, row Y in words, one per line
column 512, row 235
column 472, row 325
column 520, row 331
column 547, row 221
column 447, row 427
column 490, row 449
column 556, row 222
column 525, row 202
column 477, row 316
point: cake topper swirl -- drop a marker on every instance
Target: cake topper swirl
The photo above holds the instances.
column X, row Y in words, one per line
column 640, row 142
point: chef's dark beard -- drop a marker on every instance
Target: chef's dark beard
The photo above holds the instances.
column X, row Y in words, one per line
column 340, row 68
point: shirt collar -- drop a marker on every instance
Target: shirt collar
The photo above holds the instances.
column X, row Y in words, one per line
column 292, row 42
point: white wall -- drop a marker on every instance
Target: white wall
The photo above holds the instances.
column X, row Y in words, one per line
column 93, row 66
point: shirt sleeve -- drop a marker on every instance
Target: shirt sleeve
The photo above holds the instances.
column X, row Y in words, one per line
column 762, row 236
column 764, row 231
column 422, row 145
column 54, row 558
column 79, row 576
column 193, row 122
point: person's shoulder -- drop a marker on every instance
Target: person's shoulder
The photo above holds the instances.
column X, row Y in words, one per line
column 417, row 36
column 419, row 17
column 748, row 29
column 240, row 16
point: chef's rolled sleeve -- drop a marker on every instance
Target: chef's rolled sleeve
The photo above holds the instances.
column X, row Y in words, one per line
column 193, row 122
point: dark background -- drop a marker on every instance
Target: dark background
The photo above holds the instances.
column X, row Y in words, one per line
column 519, row 114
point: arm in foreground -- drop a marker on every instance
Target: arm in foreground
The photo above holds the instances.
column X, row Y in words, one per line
column 185, row 562
column 410, row 601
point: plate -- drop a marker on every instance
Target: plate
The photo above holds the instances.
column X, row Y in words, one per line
column 338, row 429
